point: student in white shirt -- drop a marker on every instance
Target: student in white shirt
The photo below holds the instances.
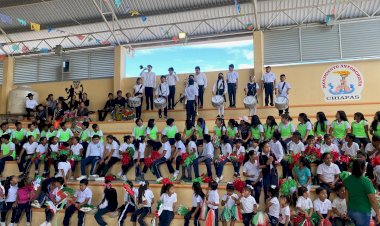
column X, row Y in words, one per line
column 328, row 146
column 111, row 156
column 252, row 174
column 10, row 189
column 149, row 84
column 296, row 146
column 108, row 204
column 238, row 150
column 339, row 206
column 273, row 205
column 322, row 205
column 64, row 168
column 197, row 201
column 228, row 201
column 350, row 148
column 191, row 149
column 285, row 211
column 251, row 90
column 304, row 203
column 269, row 82
column 201, row 80
column 248, row 204
column 282, row 90
column 172, row 79
column 165, row 152
column 163, row 91
column 169, row 200
column 138, row 91
column 30, row 105
column 41, row 152
column 328, row 173
column 232, row 81
column 220, row 88
column 225, row 151
column 25, row 157
column 180, row 149
column 213, row 198
column 206, row 156
column 82, row 196
column 94, row 153
column 278, row 150
column 371, row 148
column 191, row 96
column 77, row 151
column 127, row 161
column 145, row 200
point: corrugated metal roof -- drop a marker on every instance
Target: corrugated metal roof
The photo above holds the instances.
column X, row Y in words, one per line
column 167, row 18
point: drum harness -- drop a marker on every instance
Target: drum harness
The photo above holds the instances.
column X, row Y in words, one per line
column 252, row 90
column 282, row 88
column 138, row 92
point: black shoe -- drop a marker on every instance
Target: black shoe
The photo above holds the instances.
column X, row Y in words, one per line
column 160, row 116
column 271, row 104
column 218, row 116
column 266, row 105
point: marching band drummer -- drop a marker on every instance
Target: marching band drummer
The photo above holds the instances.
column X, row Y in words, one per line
column 251, row 90
column 138, row 91
column 201, row 80
column 282, row 90
column 163, row 91
column 269, row 82
column 191, row 95
column 149, row 84
column 220, row 88
column 172, row 79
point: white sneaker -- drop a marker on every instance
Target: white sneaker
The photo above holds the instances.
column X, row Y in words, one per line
column 2, row 223
column 81, row 177
column 27, row 223
column 221, row 178
column 36, row 204
column 94, row 175
column 43, row 224
column 217, row 179
column 159, row 179
column 175, row 175
column 119, row 173
column 48, row 224
column 100, row 179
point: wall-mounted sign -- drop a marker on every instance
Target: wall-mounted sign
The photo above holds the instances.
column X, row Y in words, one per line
column 342, row 82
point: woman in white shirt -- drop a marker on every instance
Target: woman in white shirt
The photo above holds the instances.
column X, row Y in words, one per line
column 110, row 156
column 41, row 156
column 197, row 200
column 169, row 200
column 220, row 88
column 145, row 199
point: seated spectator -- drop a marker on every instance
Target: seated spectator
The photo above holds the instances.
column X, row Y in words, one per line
column 120, row 100
column 85, row 100
column 61, row 100
column 30, row 105
column 110, row 105
column 51, row 104
column 74, row 103
column 82, row 110
column 41, row 115
column 59, row 114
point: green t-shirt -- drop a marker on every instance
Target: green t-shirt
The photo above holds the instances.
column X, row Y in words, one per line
column 19, row 135
column 84, row 135
column 358, row 190
column 30, row 133
column 139, row 131
column 171, row 131
column 231, row 132
column 268, row 131
column 302, row 129
column 285, row 130
column 377, row 132
column 319, row 131
column 188, row 132
column 153, row 133
column 64, row 136
column 358, row 129
column 6, row 148
column 339, row 129
column 255, row 132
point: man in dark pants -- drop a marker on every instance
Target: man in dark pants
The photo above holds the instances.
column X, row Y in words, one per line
column 191, row 95
column 269, row 81
column 232, row 82
column 171, row 79
column 201, row 80
column 149, row 84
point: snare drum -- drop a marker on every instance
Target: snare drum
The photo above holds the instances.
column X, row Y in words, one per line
column 281, row 103
column 160, row 103
column 134, row 102
column 250, row 102
column 217, row 100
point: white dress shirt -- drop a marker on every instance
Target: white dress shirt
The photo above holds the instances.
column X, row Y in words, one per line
column 191, row 92
column 268, row 77
column 31, row 104
column 149, row 79
column 95, row 149
column 163, row 90
column 232, row 77
column 201, row 79
column 138, row 88
column 172, row 79
column 282, row 92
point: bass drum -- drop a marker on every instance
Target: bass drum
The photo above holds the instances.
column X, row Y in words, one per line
column 160, row 103
column 281, row 103
column 249, row 102
column 217, row 100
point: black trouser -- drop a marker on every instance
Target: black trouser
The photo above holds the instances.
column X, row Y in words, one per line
column 170, row 166
column 49, row 215
column 247, row 217
column 282, row 111
column 124, row 210
column 190, row 110
column 196, row 217
column 2, row 162
column 6, row 208
column 165, row 109
column 149, row 97
column 171, row 97
column 138, row 109
column 21, row 207
column 102, row 114
column 126, row 167
column 28, row 111
column 232, row 93
column 362, row 141
column 103, row 168
column 268, row 93
column 70, row 210
column 166, row 218
column 25, row 163
column 200, row 97
column 141, row 213
column 155, row 144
